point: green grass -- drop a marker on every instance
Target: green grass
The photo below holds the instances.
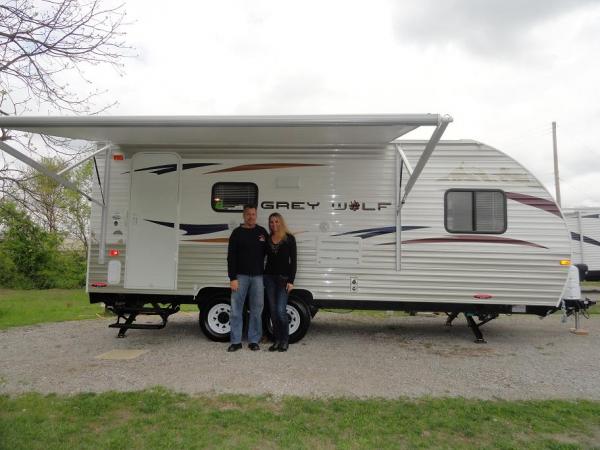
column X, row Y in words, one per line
column 27, row 307
column 159, row 418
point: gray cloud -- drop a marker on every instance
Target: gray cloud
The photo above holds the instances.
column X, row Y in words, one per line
column 480, row 26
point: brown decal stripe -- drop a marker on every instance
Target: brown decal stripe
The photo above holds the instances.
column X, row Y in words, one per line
column 264, row 167
column 213, row 240
column 470, row 239
column 536, row 202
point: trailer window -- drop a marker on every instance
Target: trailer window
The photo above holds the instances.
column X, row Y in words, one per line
column 231, row 197
column 475, row 211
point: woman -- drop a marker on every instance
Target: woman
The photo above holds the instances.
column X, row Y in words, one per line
column 279, row 275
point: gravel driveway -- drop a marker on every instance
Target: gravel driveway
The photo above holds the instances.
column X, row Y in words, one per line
column 342, row 355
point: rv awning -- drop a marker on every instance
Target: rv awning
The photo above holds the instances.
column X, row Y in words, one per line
column 227, row 130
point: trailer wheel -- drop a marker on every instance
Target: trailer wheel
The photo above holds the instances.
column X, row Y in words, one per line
column 214, row 318
column 299, row 319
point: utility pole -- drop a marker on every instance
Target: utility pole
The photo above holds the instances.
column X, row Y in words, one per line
column 556, row 177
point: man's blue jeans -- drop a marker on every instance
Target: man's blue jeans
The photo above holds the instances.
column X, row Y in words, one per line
column 278, row 299
column 254, row 286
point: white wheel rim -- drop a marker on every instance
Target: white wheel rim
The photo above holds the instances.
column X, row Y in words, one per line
column 216, row 318
column 294, row 318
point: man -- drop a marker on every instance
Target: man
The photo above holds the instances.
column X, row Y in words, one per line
column 245, row 265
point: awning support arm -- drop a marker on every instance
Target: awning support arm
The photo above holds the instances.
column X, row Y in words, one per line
column 40, row 168
column 106, row 197
column 87, row 158
column 429, row 148
column 405, row 160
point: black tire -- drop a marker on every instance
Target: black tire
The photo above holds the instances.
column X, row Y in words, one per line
column 299, row 316
column 214, row 318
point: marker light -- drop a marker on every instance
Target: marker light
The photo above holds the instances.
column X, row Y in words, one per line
column 113, row 252
column 483, row 296
column 565, row 262
column 99, row 284
column 118, row 157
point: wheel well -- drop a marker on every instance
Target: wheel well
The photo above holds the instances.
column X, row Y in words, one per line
column 208, row 293
column 306, row 297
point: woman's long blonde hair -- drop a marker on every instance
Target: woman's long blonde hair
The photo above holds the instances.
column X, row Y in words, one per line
column 283, row 229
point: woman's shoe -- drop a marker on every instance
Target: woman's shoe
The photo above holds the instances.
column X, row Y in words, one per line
column 274, row 347
column 283, row 347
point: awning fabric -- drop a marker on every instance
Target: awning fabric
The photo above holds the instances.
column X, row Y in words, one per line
column 282, row 131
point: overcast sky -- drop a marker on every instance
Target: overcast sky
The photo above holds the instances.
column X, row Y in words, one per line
column 504, row 69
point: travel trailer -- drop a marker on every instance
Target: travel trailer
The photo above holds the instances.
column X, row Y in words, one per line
column 381, row 223
column 584, row 226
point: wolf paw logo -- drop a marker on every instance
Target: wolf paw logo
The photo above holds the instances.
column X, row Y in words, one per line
column 354, row 205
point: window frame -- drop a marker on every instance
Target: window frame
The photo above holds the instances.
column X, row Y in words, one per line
column 212, row 195
column 474, row 210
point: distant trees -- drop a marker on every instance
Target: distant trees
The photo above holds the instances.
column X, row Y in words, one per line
column 56, row 209
column 30, row 256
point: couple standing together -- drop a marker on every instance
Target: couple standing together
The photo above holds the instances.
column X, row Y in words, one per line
column 248, row 245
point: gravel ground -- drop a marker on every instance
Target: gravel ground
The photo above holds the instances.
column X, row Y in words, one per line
column 342, row 355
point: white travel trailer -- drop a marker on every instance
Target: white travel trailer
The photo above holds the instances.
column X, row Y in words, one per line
column 584, row 226
column 381, row 223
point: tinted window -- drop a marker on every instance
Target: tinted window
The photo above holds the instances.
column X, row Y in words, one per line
column 231, row 197
column 475, row 211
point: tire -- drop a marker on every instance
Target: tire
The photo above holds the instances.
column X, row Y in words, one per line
column 299, row 317
column 214, row 318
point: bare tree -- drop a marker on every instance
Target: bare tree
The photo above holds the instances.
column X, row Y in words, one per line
column 42, row 41
column 46, row 46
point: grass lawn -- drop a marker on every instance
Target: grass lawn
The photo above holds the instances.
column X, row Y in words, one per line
column 28, row 307
column 159, row 418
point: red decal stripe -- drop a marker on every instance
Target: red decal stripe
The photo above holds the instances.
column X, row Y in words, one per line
column 536, row 202
column 473, row 239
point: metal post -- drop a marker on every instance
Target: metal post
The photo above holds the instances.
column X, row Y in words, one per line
column 399, row 167
column 104, row 224
column 556, row 177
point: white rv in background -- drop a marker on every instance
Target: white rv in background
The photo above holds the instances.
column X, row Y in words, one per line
column 584, row 226
column 381, row 223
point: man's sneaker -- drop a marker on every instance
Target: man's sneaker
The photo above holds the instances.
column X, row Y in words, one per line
column 234, row 347
column 254, row 347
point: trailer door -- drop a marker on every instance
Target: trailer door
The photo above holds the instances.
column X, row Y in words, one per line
column 152, row 244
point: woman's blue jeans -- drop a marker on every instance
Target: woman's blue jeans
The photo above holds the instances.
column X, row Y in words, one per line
column 278, row 298
column 253, row 285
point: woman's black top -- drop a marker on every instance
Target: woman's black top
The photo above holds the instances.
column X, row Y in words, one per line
column 281, row 257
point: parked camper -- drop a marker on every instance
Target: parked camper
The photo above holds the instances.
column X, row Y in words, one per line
column 584, row 226
column 380, row 223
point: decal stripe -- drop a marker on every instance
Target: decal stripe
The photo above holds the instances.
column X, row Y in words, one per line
column 166, row 168
column 264, row 167
column 586, row 239
column 193, row 229
column 536, row 202
column 591, row 216
column 469, row 239
column 214, row 240
column 370, row 232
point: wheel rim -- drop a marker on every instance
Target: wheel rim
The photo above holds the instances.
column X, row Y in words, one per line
column 294, row 319
column 217, row 318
